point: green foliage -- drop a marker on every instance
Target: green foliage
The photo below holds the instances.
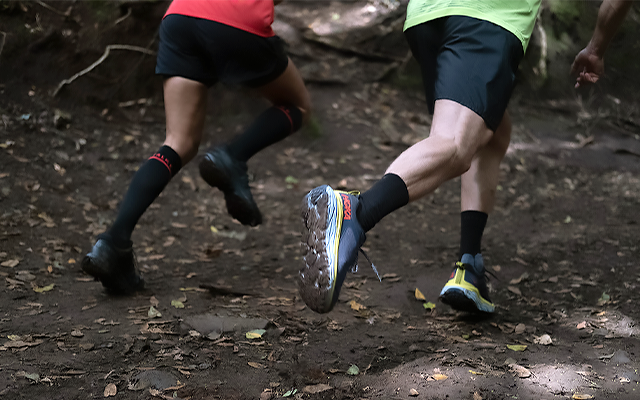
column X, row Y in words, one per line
column 313, row 129
column 567, row 12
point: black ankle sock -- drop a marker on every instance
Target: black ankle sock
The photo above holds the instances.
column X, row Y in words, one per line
column 146, row 185
column 471, row 229
column 384, row 197
column 270, row 127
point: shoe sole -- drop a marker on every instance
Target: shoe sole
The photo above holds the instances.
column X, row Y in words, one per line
column 320, row 213
column 247, row 213
column 463, row 299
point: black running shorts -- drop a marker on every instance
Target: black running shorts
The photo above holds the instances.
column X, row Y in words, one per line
column 208, row 51
column 467, row 60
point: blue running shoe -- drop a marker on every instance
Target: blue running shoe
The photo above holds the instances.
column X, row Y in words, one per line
column 114, row 267
column 467, row 289
column 331, row 240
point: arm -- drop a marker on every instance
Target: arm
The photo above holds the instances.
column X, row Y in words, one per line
column 589, row 63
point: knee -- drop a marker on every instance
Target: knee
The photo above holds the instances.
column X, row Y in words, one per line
column 461, row 161
column 186, row 147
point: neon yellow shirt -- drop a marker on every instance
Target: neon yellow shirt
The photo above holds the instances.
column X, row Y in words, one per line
column 516, row 16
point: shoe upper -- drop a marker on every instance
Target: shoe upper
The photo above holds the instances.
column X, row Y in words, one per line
column 467, row 288
column 219, row 169
column 475, row 273
column 114, row 267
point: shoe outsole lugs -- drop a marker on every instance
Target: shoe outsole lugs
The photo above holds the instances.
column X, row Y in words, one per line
column 319, row 245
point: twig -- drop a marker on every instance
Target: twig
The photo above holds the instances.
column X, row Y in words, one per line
column 48, row 7
column 123, row 17
column 99, row 61
column 4, row 37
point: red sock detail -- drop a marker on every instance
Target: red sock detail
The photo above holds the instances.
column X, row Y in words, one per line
column 163, row 160
column 287, row 113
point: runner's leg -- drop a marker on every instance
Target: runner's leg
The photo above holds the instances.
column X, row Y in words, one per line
column 185, row 103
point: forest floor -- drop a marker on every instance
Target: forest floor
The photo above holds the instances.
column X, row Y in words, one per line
column 562, row 242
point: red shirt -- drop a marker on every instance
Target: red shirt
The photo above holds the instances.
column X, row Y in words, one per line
column 255, row 16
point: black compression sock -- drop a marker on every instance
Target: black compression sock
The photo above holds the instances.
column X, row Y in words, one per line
column 273, row 125
column 146, row 185
column 472, row 225
column 384, row 197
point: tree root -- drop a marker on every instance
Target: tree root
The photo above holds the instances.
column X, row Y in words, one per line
column 99, row 61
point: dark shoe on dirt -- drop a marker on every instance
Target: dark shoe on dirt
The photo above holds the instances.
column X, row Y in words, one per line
column 219, row 169
column 114, row 267
column 331, row 240
column 467, row 288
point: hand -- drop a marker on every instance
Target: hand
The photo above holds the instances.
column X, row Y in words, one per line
column 588, row 67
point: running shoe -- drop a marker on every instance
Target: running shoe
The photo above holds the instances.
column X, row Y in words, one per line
column 219, row 169
column 467, row 288
column 114, row 267
column 331, row 240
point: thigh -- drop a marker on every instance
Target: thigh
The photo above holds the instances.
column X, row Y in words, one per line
column 476, row 67
column 185, row 104
column 288, row 89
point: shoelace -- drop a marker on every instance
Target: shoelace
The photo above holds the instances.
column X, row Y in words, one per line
column 355, row 266
column 459, row 264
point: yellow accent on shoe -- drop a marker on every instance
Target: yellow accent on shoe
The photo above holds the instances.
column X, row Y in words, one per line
column 334, row 267
column 458, row 282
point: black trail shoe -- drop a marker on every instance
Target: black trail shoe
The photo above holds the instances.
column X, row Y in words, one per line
column 114, row 267
column 221, row 170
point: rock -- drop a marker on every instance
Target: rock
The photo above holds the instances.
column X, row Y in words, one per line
column 152, row 379
column 620, row 357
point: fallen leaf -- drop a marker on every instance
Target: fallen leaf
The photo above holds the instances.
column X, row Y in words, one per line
column 356, row 306
column 419, row 295
column 77, row 333
column 581, row 396
column 43, row 289
column 604, row 299
column 429, row 305
column 521, row 371
column 522, row 277
column 440, row 377
column 517, row 347
column 413, row 392
column 177, row 303
column 290, row 392
column 10, row 263
column 543, row 340
column 514, row 290
column 582, row 325
column 255, row 334
column 312, row 389
column 153, row 313
column 476, row 396
column 110, row 390
column 353, row 370
column 475, row 372
column 256, row 365
column 16, row 344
